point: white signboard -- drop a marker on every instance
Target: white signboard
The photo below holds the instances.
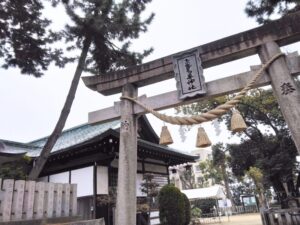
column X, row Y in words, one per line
column 189, row 74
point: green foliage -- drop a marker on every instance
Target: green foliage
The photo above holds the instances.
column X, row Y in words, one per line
column 262, row 10
column 17, row 170
column 109, row 200
column 244, row 187
column 187, row 209
column 109, row 26
column 269, row 148
column 218, row 154
column 266, row 144
column 196, row 212
column 171, row 206
column 257, row 176
column 101, row 30
column 209, row 173
column 275, row 159
column 25, row 37
column 149, row 186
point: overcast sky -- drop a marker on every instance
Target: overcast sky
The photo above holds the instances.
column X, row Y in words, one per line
column 30, row 107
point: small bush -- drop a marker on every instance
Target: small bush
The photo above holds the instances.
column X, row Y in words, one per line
column 17, row 170
column 171, row 206
column 196, row 212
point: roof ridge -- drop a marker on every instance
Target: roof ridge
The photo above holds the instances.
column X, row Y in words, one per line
column 66, row 130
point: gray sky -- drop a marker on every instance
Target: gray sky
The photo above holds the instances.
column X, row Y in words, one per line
column 31, row 106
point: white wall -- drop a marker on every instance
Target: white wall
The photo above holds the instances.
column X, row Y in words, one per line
column 102, row 180
column 60, row 178
column 84, row 180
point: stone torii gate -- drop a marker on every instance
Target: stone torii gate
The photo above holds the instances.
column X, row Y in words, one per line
column 264, row 41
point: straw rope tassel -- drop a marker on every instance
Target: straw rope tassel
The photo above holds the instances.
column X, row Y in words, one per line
column 165, row 136
column 237, row 122
column 212, row 114
column 202, row 139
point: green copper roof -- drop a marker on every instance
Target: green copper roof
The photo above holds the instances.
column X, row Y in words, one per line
column 76, row 135
column 13, row 147
column 80, row 134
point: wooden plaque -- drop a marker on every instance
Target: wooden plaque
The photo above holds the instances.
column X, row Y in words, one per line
column 189, row 74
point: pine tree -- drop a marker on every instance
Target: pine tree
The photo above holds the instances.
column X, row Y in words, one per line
column 102, row 30
column 25, row 37
column 219, row 160
column 262, row 10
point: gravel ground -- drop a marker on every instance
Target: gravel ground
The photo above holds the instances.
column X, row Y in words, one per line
column 245, row 219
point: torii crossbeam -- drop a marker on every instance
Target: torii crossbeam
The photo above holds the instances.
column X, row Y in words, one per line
column 264, row 41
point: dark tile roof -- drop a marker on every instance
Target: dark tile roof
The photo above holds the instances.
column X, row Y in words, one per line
column 166, row 149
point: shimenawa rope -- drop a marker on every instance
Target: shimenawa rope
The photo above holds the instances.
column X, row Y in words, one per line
column 214, row 113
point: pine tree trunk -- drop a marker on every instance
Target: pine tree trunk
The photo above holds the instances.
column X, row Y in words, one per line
column 261, row 197
column 42, row 159
column 226, row 182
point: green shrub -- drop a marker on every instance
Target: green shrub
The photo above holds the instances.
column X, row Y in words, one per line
column 171, row 206
column 17, row 170
column 196, row 212
column 187, row 209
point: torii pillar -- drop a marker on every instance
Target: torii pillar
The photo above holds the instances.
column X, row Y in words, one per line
column 284, row 88
column 126, row 189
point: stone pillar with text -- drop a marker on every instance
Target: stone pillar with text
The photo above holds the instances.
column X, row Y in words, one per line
column 126, row 189
column 285, row 89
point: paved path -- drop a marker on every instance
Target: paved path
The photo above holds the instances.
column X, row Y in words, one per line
column 244, row 219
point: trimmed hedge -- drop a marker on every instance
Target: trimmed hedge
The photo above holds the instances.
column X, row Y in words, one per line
column 171, row 206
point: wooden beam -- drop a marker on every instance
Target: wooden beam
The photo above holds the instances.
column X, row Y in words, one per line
column 284, row 31
column 66, row 164
column 215, row 88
